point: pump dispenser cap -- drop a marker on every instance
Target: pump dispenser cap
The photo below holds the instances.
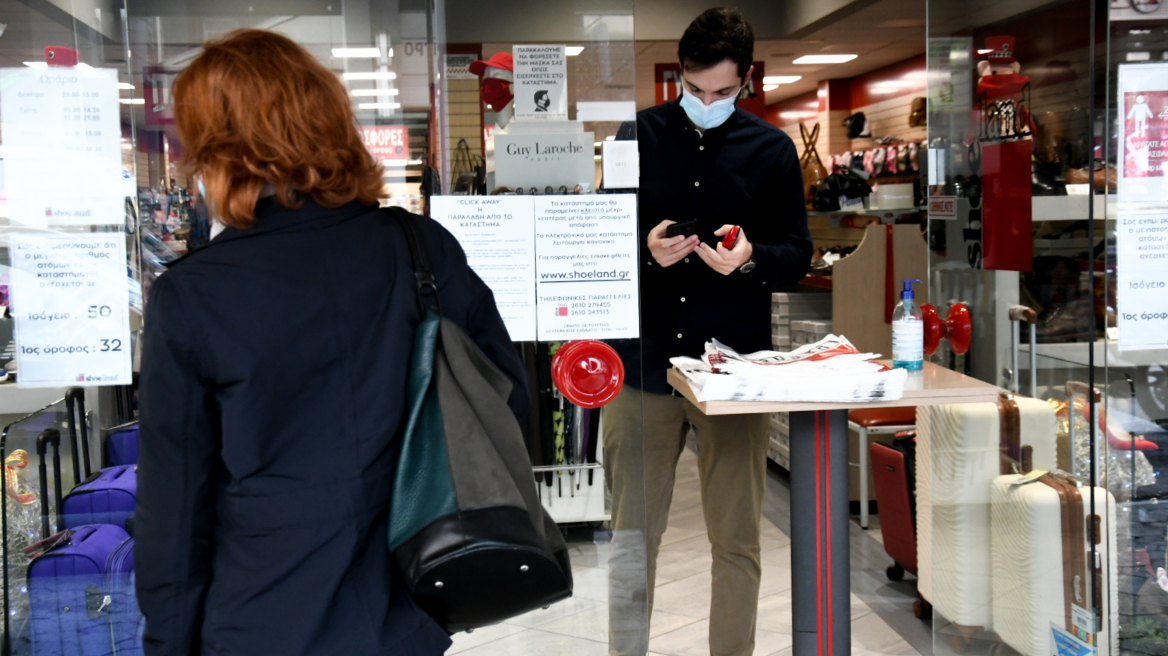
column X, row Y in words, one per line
column 907, row 293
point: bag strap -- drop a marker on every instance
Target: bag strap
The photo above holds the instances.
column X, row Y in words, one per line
column 420, row 261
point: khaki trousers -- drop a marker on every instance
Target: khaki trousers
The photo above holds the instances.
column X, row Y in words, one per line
column 644, row 435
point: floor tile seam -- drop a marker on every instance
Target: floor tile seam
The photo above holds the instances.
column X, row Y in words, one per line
column 471, row 650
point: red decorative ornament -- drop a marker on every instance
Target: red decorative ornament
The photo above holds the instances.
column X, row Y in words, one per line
column 589, row 373
column 957, row 328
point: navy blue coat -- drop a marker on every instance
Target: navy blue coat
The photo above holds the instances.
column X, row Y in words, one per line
column 273, row 382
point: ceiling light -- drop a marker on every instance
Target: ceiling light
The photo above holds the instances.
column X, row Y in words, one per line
column 380, row 75
column 347, row 53
column 824, row 59
column 132, row 101
column 36, row 64
column 1139, row 56
column 379, row 105
column 125, row 85
column 572, row 51
column 769, row 87
column 374, row 92
column 1139, row 31
column 781, row 79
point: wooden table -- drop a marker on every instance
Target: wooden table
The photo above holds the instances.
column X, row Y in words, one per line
column 820, row 571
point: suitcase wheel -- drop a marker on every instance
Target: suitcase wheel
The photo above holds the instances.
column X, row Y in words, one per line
column 895, row 572
column 922, row 609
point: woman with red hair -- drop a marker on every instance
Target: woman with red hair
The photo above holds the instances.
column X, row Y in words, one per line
column 274, row 370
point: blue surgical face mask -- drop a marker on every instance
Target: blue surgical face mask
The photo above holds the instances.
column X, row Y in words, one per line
column 707, row 116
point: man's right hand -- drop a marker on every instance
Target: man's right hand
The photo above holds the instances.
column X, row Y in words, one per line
column 668, row 250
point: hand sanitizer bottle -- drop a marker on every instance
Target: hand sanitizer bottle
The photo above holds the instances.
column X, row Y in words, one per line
column 908, row 332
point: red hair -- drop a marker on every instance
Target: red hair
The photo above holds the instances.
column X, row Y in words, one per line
column 256, row 109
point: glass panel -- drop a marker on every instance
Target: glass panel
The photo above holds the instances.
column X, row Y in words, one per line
column 418, row 105
column 1130, row 361
column 1021, row 502
column 526, row 139
column 32, row 448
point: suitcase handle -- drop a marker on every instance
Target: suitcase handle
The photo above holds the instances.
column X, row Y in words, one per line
column 75, row 396
column 49, row 437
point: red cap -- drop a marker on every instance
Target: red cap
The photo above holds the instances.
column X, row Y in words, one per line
column 1001, row 49
column 501, row 60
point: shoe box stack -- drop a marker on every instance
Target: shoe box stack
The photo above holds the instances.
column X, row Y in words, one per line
column 797, row 318
column 779, row 448
column 791, row 308
column 809, row 331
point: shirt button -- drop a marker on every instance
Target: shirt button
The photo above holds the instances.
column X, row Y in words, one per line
column 697, row 184
column 679, row 335
column 682, row 299
column 701, row 147
column 687, row 260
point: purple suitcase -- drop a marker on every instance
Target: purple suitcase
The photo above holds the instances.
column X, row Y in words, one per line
column 79, row 597
column 107, row 497
column 121, row 445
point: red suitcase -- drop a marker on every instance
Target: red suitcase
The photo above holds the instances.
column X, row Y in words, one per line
column 893, row 477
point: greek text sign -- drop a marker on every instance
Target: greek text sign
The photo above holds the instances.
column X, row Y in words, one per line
column 498, row 235
column 1142, row 280
column 62, row 154
column 541, row 83
column 586, row 267
column 71, row 305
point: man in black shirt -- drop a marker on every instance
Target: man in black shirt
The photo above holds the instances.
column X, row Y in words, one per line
column 703, row 160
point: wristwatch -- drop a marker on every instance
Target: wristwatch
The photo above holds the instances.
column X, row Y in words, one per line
column 748, row 267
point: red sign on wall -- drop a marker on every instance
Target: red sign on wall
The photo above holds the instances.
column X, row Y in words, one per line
column 387, row 141
column 667, row 87
column 1145, row 132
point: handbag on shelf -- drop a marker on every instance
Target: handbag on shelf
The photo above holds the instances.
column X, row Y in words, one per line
column 839, row 188
column 918, row 113
column 466, row 528
column 468, row 172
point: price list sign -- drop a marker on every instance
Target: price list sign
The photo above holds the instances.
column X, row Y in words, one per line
column 62, row 146
column 71, row 305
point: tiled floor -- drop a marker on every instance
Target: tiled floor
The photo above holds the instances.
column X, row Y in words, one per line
column 680, row 624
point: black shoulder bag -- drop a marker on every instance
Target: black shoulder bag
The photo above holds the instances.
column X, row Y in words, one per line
column 466, row 527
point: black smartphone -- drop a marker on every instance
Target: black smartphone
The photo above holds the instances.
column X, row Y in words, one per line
column 688, row 228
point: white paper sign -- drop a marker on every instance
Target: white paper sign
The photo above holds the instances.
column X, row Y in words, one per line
column 621, row 164
column 586, row 267
column 1142, row 280
column 62, row 154
column 71, row 305
column 541, row 83
column 498, row 235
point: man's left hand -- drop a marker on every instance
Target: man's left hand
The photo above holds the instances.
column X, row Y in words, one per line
column 726, row 261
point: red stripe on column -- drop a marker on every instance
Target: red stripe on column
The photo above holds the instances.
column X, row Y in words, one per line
column 830, row 588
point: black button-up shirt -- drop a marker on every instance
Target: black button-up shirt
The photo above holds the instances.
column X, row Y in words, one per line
column 744, row 172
